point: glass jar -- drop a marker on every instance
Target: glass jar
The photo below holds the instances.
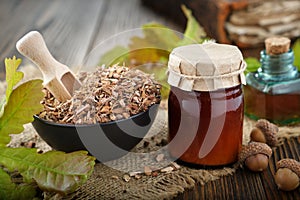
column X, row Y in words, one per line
column 205, row 111
column 273, row 91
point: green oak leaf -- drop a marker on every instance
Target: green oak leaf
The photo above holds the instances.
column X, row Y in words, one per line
column 13, row 76
column 118, row 54
column 160, row 36
column 296, row 49
column 194, row 33
column 23, row 103
column 2, row 104
column 52, row 171
column 12, row 191
column 252, row 64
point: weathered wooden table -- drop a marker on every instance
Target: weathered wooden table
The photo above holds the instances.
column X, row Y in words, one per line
column 72, row 28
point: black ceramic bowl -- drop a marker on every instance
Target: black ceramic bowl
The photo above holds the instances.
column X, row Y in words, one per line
column 105, row 141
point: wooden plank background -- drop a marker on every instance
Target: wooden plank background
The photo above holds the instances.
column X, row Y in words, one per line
column 72, row 28
column 249, row 185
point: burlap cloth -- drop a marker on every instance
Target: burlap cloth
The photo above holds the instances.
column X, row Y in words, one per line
column 108, row 179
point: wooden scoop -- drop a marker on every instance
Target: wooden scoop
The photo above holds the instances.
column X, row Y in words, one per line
column 58, row 78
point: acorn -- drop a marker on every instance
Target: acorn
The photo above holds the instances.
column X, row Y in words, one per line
column 255, row 156
column 265, row 132
column 287, row 177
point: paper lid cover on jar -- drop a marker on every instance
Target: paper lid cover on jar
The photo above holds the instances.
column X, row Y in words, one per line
column 206, row 67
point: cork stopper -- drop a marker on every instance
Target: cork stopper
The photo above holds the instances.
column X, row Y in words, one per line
column 206, row 67
column 277, row 45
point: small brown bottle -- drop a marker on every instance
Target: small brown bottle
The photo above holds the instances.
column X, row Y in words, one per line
column 205, row 106
column 273, row 91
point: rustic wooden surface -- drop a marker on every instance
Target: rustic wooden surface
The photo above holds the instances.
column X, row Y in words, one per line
column 73, row 27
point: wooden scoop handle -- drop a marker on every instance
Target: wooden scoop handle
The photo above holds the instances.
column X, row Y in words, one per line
column 33, row 46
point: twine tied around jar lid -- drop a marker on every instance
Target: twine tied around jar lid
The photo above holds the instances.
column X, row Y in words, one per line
column 206, row 67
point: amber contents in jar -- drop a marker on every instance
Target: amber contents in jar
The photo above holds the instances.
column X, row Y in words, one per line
column 206, row 127
column 278, row 108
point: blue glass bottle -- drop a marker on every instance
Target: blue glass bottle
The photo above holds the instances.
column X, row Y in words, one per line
column 273, row 91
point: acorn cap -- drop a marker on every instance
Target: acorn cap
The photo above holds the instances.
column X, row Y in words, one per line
column 277, row 45
column 290, row 164
column 254, row 148
column 269, row 130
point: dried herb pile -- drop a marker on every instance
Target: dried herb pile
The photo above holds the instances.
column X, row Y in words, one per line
column 107, row 94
